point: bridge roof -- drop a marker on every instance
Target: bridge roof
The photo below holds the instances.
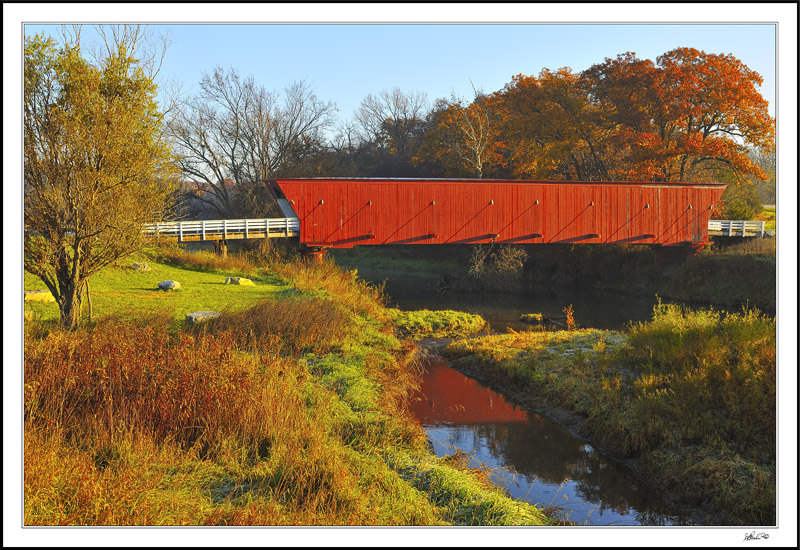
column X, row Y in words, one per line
column 498, row 181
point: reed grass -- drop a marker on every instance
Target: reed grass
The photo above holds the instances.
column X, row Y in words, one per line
column 204, row 260
column 691, row 393
column 766, row 246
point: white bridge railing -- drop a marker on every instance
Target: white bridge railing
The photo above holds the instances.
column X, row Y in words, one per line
column 290, row 227
column 736, row 228
column 225, row 229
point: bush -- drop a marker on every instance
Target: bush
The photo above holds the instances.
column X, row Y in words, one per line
column 740, row 202
column 437, row 324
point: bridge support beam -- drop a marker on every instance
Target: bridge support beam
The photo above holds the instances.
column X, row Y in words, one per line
column 312, row 254
column 221, row 248
column 658, row 256
column 692, row 250
column 674, row 255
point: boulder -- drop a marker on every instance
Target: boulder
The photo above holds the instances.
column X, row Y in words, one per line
column 39, row 296
column 140, row 266
column 169, row 285
column 239, row 281
column 196, row 317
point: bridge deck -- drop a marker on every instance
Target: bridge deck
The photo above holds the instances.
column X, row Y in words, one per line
column 191, row 231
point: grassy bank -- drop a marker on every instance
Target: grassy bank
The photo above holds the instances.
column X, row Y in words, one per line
column 690, row 395
column 436, row 324
column 767, row 214
column 288, row 409
column 736, row 274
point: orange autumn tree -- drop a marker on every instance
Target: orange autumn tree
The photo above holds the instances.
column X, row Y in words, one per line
column 462, row 140
column 554, row 130
column 689, row 118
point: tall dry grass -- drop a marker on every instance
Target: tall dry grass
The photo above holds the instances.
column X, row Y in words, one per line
column 715, row 374
column 765, row 246
column 127, row 377
column 296, row 325
column 125, row 425
column 362, row 297
column 207, row 261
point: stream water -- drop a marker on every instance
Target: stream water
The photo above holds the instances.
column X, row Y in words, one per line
column 534, row 458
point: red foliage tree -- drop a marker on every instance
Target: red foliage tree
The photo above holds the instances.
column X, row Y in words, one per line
column 689, row 117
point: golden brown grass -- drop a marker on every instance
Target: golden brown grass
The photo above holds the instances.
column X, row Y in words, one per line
column 127, row 425
column 293, row 324
column 363, row 297
column 290, row 413
column 766, row 246
column 206, row 260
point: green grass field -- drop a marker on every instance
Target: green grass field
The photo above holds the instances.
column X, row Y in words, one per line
column 120, row 291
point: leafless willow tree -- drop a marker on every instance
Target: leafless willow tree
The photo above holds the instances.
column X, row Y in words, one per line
column 234, row 135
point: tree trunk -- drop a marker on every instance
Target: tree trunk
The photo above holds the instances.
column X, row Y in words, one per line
column 89, row 300
column 69, row 306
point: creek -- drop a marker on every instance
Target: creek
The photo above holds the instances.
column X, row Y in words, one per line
column 534, row 458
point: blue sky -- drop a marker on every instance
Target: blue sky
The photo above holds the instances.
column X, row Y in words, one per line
column 345, row 62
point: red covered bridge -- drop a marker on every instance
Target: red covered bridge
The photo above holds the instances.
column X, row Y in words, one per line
column 342, row 212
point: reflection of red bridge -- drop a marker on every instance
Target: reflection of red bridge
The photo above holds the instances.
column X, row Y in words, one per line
column 460, row 400
column 344, row 212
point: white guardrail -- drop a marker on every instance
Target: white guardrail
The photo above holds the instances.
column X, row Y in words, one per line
column 241, row 229
column 290, row 227
column 736, row 228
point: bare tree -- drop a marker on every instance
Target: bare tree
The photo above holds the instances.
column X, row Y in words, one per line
column 392, row 118
column 149, row 44
column 462, row 138
column 234, row 135
column 477, row 127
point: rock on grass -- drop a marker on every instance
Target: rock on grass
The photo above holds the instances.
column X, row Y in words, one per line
column 39, row 296
column 239, row 281
column 169, row 285
column 200, row 316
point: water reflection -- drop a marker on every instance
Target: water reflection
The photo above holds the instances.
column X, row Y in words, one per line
column 536, row 459
column 502, row 310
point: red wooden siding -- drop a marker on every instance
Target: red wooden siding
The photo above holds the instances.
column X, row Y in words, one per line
column 346, row 212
